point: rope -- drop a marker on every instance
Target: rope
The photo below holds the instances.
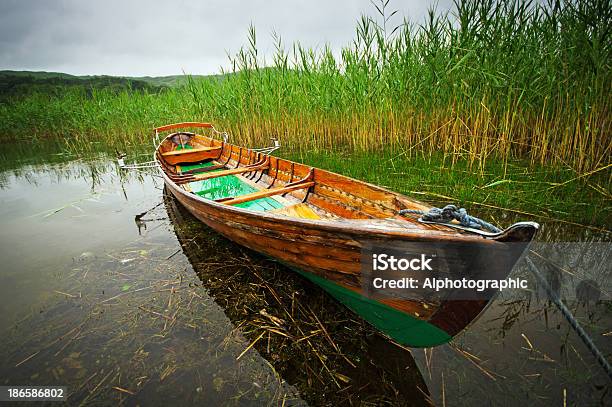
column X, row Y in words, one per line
column 450, row 213
column 586, row 339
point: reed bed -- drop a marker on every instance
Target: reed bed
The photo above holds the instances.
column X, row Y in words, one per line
column 490, row 79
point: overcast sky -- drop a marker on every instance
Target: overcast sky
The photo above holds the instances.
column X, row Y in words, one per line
column 138, row 38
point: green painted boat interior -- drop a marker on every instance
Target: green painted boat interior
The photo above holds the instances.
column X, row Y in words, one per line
column 229, row 186
column 401, row 327
column 189, row 167
column 184, row 147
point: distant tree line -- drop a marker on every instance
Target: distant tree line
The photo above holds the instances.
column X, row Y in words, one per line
column 14, row 87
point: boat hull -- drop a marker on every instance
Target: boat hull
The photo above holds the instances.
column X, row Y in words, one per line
column 326, row 225
column 331, row 258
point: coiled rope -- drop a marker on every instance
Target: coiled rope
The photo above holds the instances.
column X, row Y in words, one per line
column 450, row 213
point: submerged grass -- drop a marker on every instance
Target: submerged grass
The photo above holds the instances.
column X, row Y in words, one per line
column 142, row 324
column 201, row 320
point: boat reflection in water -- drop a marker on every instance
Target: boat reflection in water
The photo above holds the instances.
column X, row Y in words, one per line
column 311, row 341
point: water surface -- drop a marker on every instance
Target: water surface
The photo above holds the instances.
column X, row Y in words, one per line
column 165, row 310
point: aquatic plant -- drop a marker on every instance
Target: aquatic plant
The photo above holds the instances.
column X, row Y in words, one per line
column 488, row 79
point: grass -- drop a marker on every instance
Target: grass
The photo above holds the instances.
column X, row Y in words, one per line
column 541, row 194
column 480, row 89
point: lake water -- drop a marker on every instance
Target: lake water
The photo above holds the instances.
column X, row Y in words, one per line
column 164, row 310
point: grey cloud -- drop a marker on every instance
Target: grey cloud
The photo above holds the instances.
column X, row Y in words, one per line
column 163, row 38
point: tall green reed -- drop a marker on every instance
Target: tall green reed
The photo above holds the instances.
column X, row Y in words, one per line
column 490, row 79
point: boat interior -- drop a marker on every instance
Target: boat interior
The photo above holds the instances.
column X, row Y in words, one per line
column 251, row 179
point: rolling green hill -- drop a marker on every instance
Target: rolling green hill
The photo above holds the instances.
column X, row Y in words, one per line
column 16, row 84
column 171, row 80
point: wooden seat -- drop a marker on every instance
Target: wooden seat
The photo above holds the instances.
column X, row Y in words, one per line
column 190, row 151
column 233, row 171
column 266, row 192
column 300, row 210
column 259, row 166
column 192, row 155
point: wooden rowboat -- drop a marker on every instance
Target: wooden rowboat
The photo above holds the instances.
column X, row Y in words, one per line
column 319, row 224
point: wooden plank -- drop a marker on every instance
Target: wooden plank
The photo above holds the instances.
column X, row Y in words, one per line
column 300, row 210
column 194, row 157
column 203, row 169
column 234, row 171
column 336, row 208
column 265, row 193
column 192, row 151
column 284, row 201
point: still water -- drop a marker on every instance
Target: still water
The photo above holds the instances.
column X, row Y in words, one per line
column 163, row 310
